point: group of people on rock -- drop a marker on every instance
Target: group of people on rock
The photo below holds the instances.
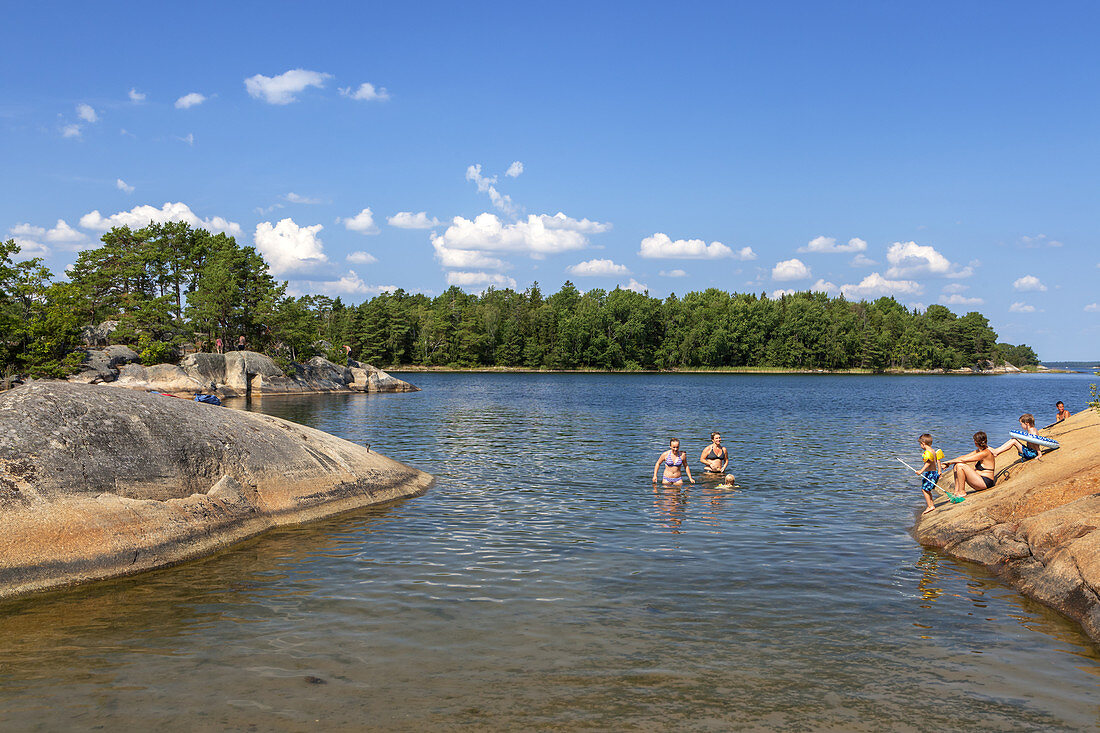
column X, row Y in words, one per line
column 978, row 468
column 715, row 459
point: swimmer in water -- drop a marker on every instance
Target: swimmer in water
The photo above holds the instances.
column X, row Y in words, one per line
column 714, row 456
column 675, row 461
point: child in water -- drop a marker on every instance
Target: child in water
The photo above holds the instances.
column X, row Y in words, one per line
column 930, row 471
column 728, row 480
column 1027, row 451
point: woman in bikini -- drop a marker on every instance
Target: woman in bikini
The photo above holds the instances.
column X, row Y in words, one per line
column 980, row 475
column 714, row 456
column 675, row 461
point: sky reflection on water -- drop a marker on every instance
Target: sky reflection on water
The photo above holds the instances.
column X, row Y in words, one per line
column 544, row 581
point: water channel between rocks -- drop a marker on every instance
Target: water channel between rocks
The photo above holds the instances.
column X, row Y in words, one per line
column 544, row 582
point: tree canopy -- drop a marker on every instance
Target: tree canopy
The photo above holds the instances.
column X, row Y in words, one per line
column 170, row 286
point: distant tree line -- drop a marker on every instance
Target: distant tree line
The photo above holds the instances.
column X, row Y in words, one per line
column 169, row 286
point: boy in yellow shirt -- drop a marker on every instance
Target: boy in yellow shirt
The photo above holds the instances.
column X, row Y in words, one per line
column 930, row 471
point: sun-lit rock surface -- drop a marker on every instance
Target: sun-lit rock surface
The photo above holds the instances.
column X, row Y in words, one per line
column 1039, row 527
column 98, row 482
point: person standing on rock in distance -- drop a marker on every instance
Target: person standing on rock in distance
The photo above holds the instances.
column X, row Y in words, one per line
column 979, row 476
column 218, row 345
column 240, row 343
column 676, row 464
column 714, row 456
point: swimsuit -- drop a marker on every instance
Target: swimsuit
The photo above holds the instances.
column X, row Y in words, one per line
column 1027, row 453
column 671, row 462
column 712, row 457
column 985, row 479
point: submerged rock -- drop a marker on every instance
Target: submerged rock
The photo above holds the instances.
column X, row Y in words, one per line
column 98, row 482
column 1039, row 526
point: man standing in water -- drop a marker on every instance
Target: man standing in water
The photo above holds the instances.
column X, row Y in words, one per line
column 714, row 456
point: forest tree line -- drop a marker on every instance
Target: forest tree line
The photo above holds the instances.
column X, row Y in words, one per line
column 171, row 287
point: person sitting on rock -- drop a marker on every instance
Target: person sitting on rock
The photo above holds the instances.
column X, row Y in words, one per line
column 1063, row 413
column 1027, row 451
column 979, row 476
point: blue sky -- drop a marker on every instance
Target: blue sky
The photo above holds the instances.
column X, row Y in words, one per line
column 937, row 152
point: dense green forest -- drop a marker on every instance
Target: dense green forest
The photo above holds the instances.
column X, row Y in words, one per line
column 171, row 287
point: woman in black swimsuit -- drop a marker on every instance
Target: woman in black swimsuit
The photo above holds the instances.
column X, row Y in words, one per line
column 980, row 475
column 714, row 456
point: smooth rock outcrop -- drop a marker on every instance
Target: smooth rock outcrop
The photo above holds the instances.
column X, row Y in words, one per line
column 98, row 482
column 103, row 365
column 237, row 374
column 1039, row 526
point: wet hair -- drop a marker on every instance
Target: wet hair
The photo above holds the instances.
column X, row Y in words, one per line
column 981, row 439
column 1059, row 403
column 1028, row 419
column 713, row 434
column 926, row 439
column 673, row 440
column 729, row 480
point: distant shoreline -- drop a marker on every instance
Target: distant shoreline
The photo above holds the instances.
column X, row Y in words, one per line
column 413, row 369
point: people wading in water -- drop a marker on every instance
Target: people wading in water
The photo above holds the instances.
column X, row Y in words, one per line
column 675, row 461
column 714, row 456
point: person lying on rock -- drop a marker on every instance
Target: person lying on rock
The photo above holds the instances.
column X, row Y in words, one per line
column 980, row 475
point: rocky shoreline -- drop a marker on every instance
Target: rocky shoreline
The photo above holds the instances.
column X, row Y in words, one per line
column 1039, row 526
column 234, row 374
column 98, row 483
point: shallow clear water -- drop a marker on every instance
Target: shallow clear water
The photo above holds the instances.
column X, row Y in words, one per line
column 544, row 582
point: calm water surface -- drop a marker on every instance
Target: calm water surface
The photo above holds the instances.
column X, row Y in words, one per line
column 544, row 583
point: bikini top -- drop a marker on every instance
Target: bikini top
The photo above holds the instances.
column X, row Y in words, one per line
column 711, row 456
column 671, row 462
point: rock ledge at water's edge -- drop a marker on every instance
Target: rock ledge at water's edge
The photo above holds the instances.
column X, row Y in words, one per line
column 1039, row 527
column 98, row 482
column 234, row 374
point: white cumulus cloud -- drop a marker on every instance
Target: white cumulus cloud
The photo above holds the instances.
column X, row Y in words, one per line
column 122, row 185
column 636, row 286
column 479, row 280
column 136, row 96
column 366, row 93
column 536, row 236
column 487, row 184
column 828, row 244
column 597, row 268
column 1092, row 308
column 282, row 89
column 362, row 258
column 958, row 299
column 86, row 113
column 409, row 220
column 909, row 259
column 297, row 199
column 875, row 286
column 862, row 260
column 289, row 247
column 363, row 222
column 62, row 233
column 70, row 130
column 792, row 269
column 1029, row 283
column 464, row 259
column 824, row 286
column 1020, row 307
column 514, row 170
column 140, row 216
column 187, row 101
column 1039, row 240
column 672, row 273
column 348, row 284
column 661, row 246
